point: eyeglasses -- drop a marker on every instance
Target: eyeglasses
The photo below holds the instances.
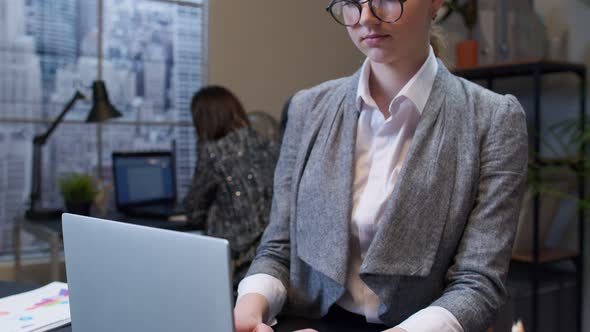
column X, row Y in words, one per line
column 348, row 12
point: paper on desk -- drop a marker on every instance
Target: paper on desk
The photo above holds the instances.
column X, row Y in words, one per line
column 39, row 310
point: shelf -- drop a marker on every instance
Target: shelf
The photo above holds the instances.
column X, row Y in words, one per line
column 575, row 164
column 550, row 277
column 520, row 68
column 536, row 277
column 571, row 162
column 545, row 255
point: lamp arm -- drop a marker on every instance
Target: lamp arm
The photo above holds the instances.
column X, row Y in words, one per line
column 41, row 139
column 38, row 142
column 36, row 179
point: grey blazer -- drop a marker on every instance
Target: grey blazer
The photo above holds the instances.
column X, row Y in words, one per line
column 448, row 230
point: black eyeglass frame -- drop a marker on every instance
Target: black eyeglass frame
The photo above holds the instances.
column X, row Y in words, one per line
column 358, row 5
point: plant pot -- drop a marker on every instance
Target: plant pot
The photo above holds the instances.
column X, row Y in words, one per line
column 467, row 54
column 78, row 208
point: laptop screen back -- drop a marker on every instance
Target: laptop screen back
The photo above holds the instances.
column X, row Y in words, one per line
column 125, row 277
column 143, row 178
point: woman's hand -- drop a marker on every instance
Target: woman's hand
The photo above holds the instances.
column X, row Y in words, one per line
column 250, row 312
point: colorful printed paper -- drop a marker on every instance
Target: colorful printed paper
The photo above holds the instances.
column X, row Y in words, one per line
column 39, row 310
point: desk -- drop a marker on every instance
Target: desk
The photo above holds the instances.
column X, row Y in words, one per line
column 50, row 231
column 286, row 324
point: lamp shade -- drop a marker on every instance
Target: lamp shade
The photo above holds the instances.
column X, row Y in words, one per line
column 102, row 109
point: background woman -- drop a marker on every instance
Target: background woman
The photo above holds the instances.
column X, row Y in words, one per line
column 231, row 191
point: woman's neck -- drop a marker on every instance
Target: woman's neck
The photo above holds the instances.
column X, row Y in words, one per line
column 387, row 79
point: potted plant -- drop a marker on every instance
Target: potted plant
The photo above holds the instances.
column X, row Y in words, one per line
column 568, row 136
column 555, row 179
column 466, row 50
column 78, row 192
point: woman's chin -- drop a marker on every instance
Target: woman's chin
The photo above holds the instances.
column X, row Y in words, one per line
column 380, row 57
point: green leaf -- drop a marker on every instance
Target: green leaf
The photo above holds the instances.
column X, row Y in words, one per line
column 77, row 188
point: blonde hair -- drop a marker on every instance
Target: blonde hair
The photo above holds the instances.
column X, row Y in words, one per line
column 437, row 40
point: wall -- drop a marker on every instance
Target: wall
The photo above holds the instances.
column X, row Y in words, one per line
column 571, row 15
column 265, row 51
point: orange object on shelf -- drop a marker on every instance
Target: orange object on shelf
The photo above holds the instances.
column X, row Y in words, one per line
column 467, row 54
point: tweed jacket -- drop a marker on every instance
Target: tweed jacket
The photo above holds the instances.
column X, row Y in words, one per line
column 231, row 192
column 449, row 226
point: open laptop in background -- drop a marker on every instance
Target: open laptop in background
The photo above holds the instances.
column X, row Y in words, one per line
column 145, row 184
column 125, row 277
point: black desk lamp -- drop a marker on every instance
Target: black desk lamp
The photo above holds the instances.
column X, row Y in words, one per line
column 101, row 110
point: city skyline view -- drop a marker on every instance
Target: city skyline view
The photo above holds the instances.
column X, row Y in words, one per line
column 152, row 63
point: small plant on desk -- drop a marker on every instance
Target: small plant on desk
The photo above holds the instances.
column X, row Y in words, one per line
column 78, row 192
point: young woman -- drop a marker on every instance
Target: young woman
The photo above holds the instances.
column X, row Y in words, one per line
column 397, row 191
column 231, row 192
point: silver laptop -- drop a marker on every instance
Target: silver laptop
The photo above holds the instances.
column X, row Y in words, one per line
column 124, row 277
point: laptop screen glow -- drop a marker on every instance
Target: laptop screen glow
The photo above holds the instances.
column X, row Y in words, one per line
column 143, row 178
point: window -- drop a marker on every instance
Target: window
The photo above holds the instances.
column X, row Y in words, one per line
column 153, row 60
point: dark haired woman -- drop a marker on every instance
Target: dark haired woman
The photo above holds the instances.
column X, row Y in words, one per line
column 231, row 191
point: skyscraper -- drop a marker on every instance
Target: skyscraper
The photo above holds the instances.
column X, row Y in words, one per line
column 186, row 79
column 15, row 149
column 53, row 24
column 20, row 90
column 20, row 79
column 154, row 75
column 20, row 97
column 12, row 19
column 87, row 19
